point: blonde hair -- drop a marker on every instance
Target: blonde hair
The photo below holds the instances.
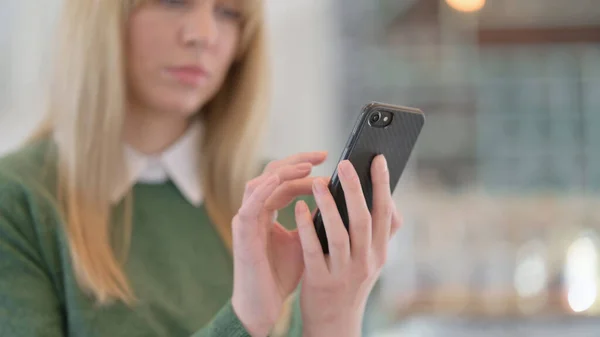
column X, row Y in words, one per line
column 86, row 107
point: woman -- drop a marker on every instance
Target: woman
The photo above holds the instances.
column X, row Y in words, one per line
column 133, row 211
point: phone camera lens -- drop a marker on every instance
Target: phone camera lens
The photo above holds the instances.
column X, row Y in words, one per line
column 375, row 117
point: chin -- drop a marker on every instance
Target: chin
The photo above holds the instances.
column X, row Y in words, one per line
column 182, row 105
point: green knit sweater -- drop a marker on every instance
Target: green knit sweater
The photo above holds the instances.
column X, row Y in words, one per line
column 179, row 268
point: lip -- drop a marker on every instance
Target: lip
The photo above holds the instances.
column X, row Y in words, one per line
column 189, row 75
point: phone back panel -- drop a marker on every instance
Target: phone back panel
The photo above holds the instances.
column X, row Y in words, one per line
column 395, row 142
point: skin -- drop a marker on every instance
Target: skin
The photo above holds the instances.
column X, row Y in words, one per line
column 165, row 34
column 269, row 261
column 335, row 289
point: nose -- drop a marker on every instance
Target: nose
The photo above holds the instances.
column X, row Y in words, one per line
column 200, row 28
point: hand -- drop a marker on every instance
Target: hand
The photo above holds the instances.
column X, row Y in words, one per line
column 267, row 258
column 335, row 289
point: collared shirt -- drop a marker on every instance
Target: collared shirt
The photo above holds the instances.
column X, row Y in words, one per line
column 178, row 163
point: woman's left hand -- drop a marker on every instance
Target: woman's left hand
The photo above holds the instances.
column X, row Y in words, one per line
column 335, row 288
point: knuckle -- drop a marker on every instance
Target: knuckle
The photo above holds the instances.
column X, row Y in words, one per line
column 389, row 209
column 239, row 230
column 363, row 274
column 354, row 185
column 363, row 269
column 399, row 219
column 363, row 222
column 338, row 243
column 244, row 215
column 235, row 223
column 271, row 166
column 395, row 226
column 290, row 170
column 286, row 186
column 339, row 284
column 386, row 213
column 330, row 286
column 360, row 229
column 315, row 281
column 370, row 266
column 283, row 170
column 252, row 184
column 313, row 252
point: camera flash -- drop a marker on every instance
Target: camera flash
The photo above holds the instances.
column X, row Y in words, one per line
column 385, row 119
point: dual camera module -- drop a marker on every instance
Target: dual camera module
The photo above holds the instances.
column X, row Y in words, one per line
column 380, row 119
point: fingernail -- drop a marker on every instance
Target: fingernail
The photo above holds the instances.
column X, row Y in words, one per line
column 318, row 187
column 300, row 206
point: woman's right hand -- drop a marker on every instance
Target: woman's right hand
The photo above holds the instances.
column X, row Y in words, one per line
column 268, row 260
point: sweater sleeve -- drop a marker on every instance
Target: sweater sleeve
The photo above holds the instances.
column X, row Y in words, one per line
column 29, row 306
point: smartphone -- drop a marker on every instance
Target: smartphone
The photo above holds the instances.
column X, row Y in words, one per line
column 381, row 128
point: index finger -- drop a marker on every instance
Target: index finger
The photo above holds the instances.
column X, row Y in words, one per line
column 254, row 205
column 314, row 158
column 358, row 211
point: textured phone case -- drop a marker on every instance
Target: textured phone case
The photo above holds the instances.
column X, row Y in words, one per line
column 395, row 142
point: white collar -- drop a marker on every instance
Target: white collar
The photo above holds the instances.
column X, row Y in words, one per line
column 178, row 163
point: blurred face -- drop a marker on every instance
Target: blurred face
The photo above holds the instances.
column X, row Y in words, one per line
column 179, row 52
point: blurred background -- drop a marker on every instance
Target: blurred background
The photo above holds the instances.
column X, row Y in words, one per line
column 500, row 199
